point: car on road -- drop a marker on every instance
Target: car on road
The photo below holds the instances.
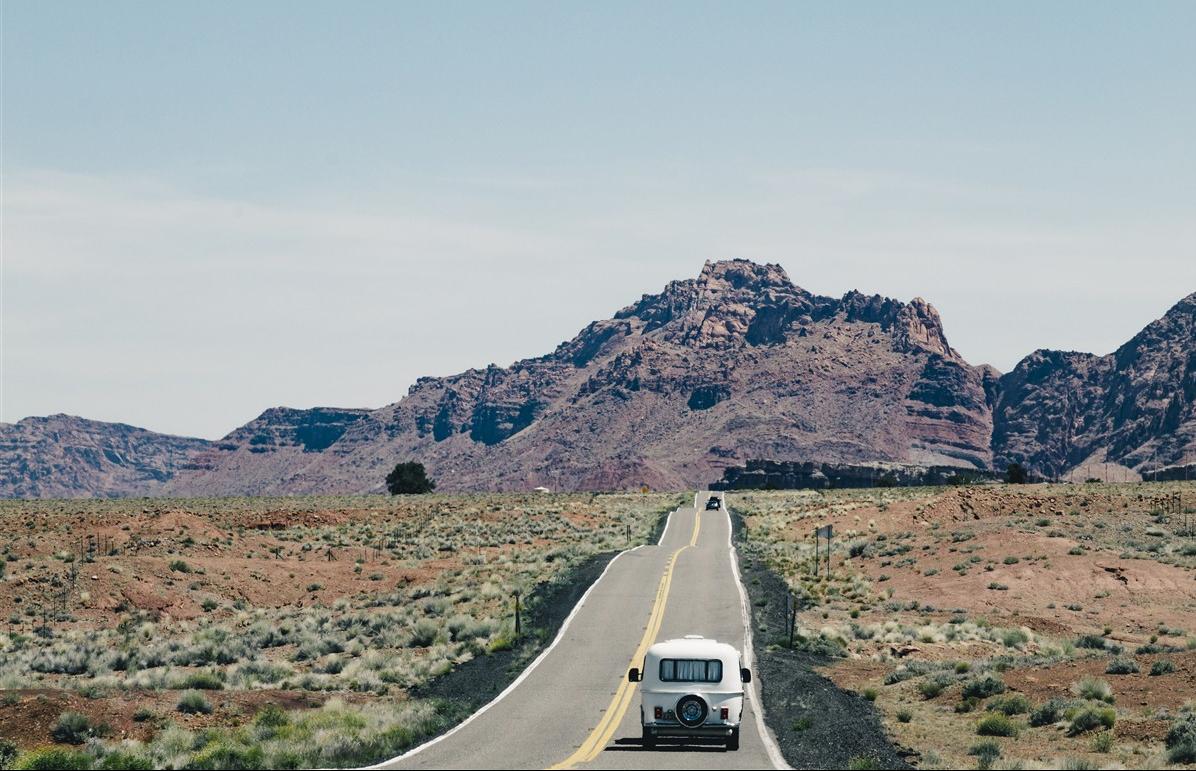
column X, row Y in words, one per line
column 714, row 503
column 691, row 688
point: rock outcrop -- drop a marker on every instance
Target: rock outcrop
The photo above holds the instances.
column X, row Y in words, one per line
column 734, row 367
column 734, row 364
column 62, row 456
column 1135, row 407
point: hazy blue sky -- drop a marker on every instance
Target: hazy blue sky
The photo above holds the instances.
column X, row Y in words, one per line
column 213, row 208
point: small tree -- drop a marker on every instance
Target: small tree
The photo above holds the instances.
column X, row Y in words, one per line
column 1016, row 474
column 408, row 479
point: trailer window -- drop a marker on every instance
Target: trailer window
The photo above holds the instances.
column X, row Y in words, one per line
column 691, row 671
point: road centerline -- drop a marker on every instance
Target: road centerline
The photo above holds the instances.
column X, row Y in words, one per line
column 613, row 715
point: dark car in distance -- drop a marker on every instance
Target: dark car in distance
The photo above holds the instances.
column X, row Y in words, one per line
column 714, row 504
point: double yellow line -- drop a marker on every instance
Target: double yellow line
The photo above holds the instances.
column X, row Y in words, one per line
column 602, row 733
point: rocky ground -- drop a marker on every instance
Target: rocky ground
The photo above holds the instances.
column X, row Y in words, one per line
column 360, row 617
column 1079, row 598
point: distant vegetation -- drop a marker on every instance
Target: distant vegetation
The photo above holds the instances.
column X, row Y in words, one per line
column 1063, row 665
column 409, row 479
column 272, row 633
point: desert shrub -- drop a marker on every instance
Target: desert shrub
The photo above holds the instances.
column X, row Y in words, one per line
column 870, row 694
column 904, row 716
column 1048, row 713
column 8, row 750
column 1121, row 667
column 52, row 759
column 74, row 728
column 203, row 681
column 424, row 633
column 1162, row 667
column 178, row 566
column 1091, row 719
column 862, row 763
column 986, row 753
column 983, row 687
column 1102, row 742
column 996, row 724
column 125, row 760
column 228, row 754
column 1181, row 738
column 193, row 703
column 1015, row 704
column 1013, row 638
column 1091, row 641
column 932, row 686
column 1094, row 688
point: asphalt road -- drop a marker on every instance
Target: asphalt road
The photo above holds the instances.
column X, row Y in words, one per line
column 573, row 708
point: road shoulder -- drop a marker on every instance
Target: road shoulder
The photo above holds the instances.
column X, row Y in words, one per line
column 815, row 723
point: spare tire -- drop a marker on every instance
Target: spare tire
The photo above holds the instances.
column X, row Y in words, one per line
column 692, row 711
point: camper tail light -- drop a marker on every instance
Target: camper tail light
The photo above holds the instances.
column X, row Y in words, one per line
column 659, row 713
column 724, row 713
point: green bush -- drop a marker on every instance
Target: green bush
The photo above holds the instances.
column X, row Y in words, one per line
column 193, row 703
column 203, row 681
column 1162, row 667
column 1016, row 704
column 8, row 750
column 1181, row 738
column 73, row 728
column 1090, row 719
column 983, row 687
column 986, row 753
column 122, row 760
column 934, row 685
column 409, row 479
column 1049, row 713
column 1095, row 689
column 1013, row 638
column 1121, row 667
column 996, row 724
column 271, row 716
column 178, row 566
column 52, row 759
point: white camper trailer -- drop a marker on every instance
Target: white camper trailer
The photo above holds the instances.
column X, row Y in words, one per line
column 691, row 689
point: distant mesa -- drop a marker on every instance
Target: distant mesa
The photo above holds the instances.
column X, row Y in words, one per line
column 735, row 365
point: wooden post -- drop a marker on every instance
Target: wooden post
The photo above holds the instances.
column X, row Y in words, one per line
column 518, row 624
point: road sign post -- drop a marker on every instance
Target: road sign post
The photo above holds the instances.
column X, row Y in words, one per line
column 827, row 532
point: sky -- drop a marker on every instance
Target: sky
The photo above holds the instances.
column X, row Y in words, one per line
column 209, row 209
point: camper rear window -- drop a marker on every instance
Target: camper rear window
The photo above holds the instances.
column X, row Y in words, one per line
column 691, row 671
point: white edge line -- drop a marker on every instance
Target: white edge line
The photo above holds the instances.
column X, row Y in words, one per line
column 770, row 744
column 525, row 673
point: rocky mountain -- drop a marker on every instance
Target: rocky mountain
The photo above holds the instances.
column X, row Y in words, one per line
column 737, row 363
column 733, row 367
column 61, row 456
column 1135, row 407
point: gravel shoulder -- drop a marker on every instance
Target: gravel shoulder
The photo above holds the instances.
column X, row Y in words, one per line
column 816, row 723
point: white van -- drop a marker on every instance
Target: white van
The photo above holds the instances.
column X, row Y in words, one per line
column 691, row 688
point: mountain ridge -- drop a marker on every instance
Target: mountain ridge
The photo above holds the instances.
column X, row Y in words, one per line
column 736, row 364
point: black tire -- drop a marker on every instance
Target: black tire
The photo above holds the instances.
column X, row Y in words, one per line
column 691, row 711
column 649, row 740
column 733, row 740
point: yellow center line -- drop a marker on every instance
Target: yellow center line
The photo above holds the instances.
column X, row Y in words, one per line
column 600, row 736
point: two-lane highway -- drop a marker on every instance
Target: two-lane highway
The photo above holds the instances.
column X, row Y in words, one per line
column 573, row 707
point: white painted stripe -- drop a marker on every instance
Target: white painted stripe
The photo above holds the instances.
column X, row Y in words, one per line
column 770, row 744
column 530, row 667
